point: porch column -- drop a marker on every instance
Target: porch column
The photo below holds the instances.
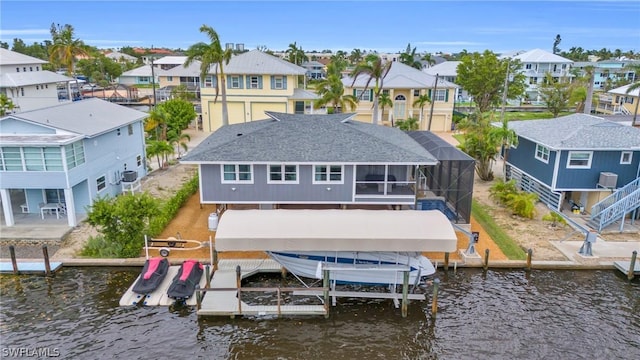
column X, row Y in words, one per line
column 71, row 207
column 6, row 207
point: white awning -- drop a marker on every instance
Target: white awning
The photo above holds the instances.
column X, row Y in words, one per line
column 335, row 230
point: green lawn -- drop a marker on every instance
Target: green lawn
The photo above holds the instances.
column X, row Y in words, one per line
column 527, row 115
column 510, row 248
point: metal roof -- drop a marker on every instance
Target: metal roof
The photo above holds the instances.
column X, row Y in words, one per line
column 447, row 68
column 579, row 132
column 192, row 70
column 335, row 230
column 541, row 56
column 170, row 60
column 31, row 78
column 401, row 76
column 297, row 138
column 622, row 90
column 259, row 63
column 8, row 57
column 89, row 117
column 144, row 70
column 301, row 94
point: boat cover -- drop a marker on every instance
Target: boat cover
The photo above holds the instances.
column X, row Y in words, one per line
column 184, row 283
column 153, row 272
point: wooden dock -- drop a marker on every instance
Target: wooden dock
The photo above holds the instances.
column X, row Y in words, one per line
column 625, row 265
column 224, row 302
column 159, row 296
column 29, row 267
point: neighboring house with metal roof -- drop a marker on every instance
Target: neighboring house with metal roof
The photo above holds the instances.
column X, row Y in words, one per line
column 169, row 62
column 309, row 160
column 405, row 84
column 618, row 101
column 315, row 69
column 61, row 158
column 187, row 76
column 26, row 84
column 579, row 158
column 536, row 64
column 255, row 82
column 121, row 57
column 142, row 75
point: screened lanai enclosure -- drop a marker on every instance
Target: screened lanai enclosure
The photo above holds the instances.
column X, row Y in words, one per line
column 447, row 186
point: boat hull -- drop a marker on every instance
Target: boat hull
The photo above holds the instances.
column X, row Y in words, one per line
column 309, row 264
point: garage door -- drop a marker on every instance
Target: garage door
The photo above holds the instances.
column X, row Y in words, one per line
column 236, row 114
column 258, row 109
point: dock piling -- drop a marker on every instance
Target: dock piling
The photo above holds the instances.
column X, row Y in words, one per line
column 14, row 262
column 529, row 254
column 47, row 265
column 325, row 284
column 405, row 293
column 238, row 284
column 632, row 265
column 208, row 275
column 199, row 297
column 434, row 301
column 446, row 261
column 486, row 260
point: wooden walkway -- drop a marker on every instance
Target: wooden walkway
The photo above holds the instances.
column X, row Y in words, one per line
column 625, row 265
column 159, row 296
column 225, row 302
column 29, row 267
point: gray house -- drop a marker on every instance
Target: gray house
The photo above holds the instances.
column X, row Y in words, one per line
column 329, row 160
column 57, row 160
column 579, row 161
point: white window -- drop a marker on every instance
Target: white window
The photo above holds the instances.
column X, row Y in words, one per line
column 236, row 82
column 528, row 66
column 328, row 174
column 542, row 153
column 440, row 95
column 101, row 182
column 237, row 173
column 416, row 93
column 169, row 78
column 626, row 157
column 363, row 95
column 139, row 160
column 278, row 82
column 75, row 154
column 579, row 160
column 283, row 174
column 209, row 81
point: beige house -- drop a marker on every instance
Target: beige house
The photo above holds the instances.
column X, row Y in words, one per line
column 405, row 85
column 255, row 82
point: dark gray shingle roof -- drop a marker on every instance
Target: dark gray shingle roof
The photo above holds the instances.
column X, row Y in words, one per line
column 309, row 139
column 580, row 132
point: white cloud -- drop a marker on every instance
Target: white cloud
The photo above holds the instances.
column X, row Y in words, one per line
column 16, row 32
column 450, row 43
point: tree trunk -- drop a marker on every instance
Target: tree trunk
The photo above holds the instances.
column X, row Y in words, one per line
column 589, row 100
column 225, row 111
column 375, row 109
column 635, row 113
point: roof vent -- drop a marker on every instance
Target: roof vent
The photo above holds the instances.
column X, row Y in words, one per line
column 239, row 134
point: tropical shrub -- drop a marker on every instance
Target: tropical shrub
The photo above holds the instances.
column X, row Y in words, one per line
column 554, row 218
column 521, row 203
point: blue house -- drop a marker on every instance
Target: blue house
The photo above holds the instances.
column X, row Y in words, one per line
column 579, row 161
column 331, row 161
column 56, row 161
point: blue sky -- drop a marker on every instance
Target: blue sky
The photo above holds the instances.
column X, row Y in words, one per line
column 387, row 26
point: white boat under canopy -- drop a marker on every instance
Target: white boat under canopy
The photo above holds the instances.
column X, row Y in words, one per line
column 335, row 230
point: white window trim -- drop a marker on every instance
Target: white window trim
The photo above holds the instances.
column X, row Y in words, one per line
column 233, row 79
column 622, row 162
column 363, row 95
column 546, row 161
column 277, row 86
column 253, row 85
column 440, row 95
column 283, row 181
column 237, row 171
column 328, row 181
column 588, row 166
column 106, row 182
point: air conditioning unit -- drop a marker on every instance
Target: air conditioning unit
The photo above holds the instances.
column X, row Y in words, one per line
column 129, row 176
column 608, row 180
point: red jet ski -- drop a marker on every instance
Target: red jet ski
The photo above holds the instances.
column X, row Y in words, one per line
column 153, row 272
column 184, row 283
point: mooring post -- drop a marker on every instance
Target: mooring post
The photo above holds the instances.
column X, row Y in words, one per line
column 486, row 259
column 238, row 283
column 632, row 265
column 434, row 301
column 47, row 266
column 215, row 259
column 208, row 275
column 198, row 297
column 325, row 285
column 446, row 261
column 283, row 272
column 405, row 293
column 529, row 254
column 14, row 262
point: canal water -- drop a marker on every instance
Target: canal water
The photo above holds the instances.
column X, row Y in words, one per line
column 504, row 314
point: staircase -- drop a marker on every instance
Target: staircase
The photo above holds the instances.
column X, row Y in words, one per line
column 615, row 206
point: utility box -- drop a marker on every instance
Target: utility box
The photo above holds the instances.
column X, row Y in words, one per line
column 608, row 180
column 213, row 222
column 591, row 237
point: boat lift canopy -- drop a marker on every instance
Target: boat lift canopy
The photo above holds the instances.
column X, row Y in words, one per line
column 335, row 230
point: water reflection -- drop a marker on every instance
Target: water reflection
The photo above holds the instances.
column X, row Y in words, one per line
column 493, row 314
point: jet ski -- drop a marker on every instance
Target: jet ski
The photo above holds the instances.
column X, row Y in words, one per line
column 153, row 272
column 184, row 283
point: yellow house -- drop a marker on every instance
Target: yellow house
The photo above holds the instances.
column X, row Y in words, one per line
column 255, row 82
column 405, row 85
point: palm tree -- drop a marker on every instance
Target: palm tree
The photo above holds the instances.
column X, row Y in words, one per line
column 633, row 87
column 409, row 58
column 210, row 54
column 385, row 101
column 355, row 56
column 331, row 91
column 179, row 140
column 374, row 69
column 159, row 149
column 65, row 48
column 157, row 119
column 429, row 59
column 420, row 102
column 6, row 105
column 295, row 54
column 410, row 124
